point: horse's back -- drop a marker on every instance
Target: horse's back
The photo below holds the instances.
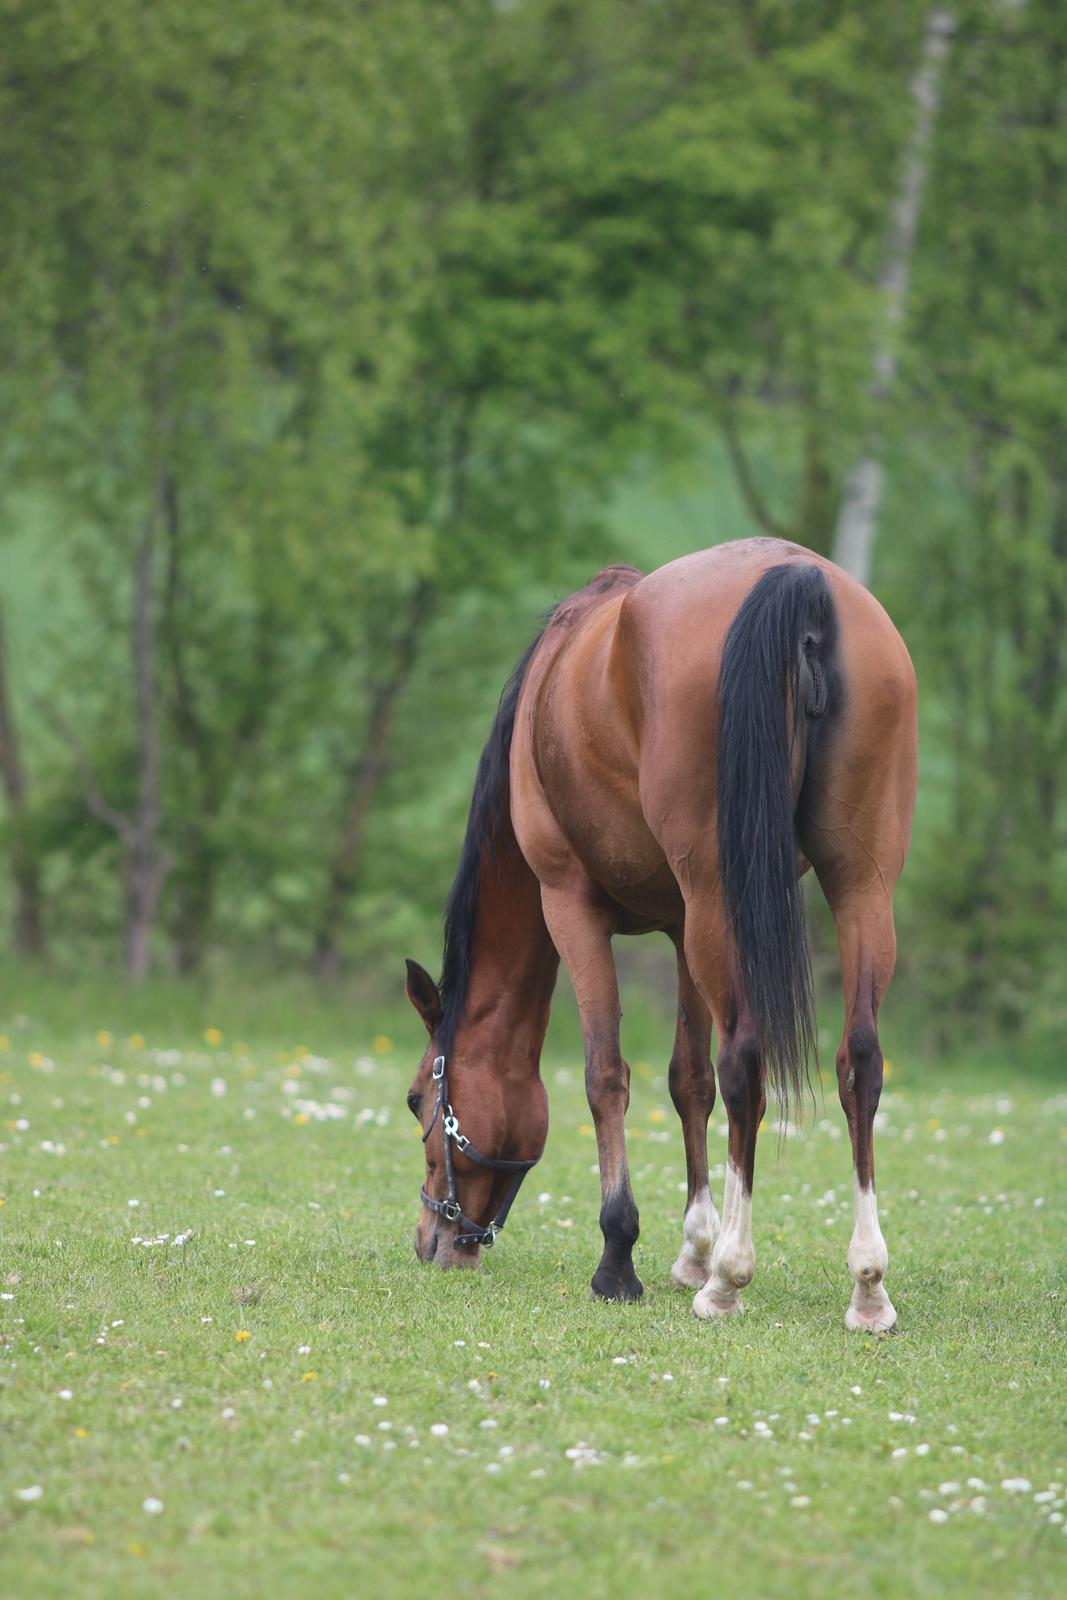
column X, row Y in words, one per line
column 616, row 760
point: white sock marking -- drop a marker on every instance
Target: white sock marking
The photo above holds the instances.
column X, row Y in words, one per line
column 734, row 1260
column 871, row 1308
column 700, row 1228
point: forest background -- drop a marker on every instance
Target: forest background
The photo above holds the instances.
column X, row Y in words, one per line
column 337, row 341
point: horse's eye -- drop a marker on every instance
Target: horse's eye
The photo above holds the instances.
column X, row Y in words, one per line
column 414, row 1103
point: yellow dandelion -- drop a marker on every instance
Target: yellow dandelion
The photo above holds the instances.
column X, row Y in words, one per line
column 212, row 1036
column 3, row 1201
column 381, row 1044
column 5, row 1042
column 240, row 1049
column 300, row 1118
column 104, row 1039
column 140, row 1133
column 586, row 1130
column 887, row 1069
column 281, row 1057
column 112, row 1138
column 136, row 1041
column 932, row 1124
column 657, row 1114
column 308, row 1377
column 81, row 1433
column 134, row 1549
column 37, row 1059
column 241, row 1335
column 292, row 1071
column 300, row 1051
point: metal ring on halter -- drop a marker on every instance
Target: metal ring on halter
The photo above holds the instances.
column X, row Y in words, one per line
column 449, row 1207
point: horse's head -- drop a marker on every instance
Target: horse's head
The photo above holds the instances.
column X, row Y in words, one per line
column 483, row 1128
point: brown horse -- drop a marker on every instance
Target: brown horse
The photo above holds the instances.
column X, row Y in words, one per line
column 672, row 753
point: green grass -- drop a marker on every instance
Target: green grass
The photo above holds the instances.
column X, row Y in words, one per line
column 265, row 1484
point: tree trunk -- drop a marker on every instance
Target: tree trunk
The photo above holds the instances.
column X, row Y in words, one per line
column 146, row 861
column 861, row 498
column 364, row 776
column 28, row 921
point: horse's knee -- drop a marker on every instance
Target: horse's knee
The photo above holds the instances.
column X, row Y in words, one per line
column 859, row 1068
column 607, row 1083
column 741, row 1075
column 692, row 1087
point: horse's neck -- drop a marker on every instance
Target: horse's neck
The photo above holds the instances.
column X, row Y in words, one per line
column 513, row 960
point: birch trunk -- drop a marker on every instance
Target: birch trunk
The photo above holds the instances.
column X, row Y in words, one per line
column 861, row 499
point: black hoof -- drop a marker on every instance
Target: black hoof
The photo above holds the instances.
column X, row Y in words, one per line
column 616, row 1285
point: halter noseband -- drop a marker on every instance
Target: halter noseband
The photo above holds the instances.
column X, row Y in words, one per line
column 450, row 1207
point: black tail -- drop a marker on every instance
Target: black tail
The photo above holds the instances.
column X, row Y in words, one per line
column 775, row 660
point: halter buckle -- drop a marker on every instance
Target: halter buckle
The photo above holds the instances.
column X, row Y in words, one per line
column 438, row 1068
column 451, row 1210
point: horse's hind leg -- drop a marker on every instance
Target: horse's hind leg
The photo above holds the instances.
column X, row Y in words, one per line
column 692, row 1085
column 581, row 926
column 867, row 945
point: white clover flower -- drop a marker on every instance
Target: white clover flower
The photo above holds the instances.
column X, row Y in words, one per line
column 34, row 1492
column 439, row 1429
column 152, row 1507
column 1016, row 1485
column 937, row 1515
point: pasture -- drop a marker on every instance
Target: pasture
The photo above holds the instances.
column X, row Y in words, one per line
column 225, row 1373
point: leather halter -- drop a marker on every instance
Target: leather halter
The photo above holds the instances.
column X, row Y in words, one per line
column 449, row 1207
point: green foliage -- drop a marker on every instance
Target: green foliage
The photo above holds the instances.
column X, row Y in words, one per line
column 391, row 325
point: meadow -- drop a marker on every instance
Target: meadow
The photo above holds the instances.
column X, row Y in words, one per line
column 223, row 1371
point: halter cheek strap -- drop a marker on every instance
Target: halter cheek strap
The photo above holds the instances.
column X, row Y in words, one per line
column 450, row 1207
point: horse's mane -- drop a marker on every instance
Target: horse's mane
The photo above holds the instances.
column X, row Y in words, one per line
column 490, row 805
column 490, row 809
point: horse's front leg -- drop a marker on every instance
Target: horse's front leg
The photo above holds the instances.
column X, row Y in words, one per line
column 742, row 1077
column 692, row 1085
column 581, row 927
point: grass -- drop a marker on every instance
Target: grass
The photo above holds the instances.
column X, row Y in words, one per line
column 126, row 1376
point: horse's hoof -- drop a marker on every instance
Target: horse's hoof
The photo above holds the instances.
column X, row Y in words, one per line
column 709, row 1305
column 871, row 1319
column 606, row 1287
column 689, row 1272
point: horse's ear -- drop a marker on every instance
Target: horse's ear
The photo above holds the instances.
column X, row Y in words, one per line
column 424, row 996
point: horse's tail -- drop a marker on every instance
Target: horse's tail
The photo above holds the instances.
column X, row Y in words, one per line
column 772, row 679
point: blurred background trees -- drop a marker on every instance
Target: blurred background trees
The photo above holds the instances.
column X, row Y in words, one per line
column 337, row 341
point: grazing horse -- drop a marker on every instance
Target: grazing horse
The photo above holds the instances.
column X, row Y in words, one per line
column 672, row 753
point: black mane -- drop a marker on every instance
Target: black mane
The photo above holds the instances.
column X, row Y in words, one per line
column 489, row 805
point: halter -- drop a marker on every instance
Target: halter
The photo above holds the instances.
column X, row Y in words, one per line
column 450, row 1206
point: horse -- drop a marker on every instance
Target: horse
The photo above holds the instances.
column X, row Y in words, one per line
column 671, row 754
